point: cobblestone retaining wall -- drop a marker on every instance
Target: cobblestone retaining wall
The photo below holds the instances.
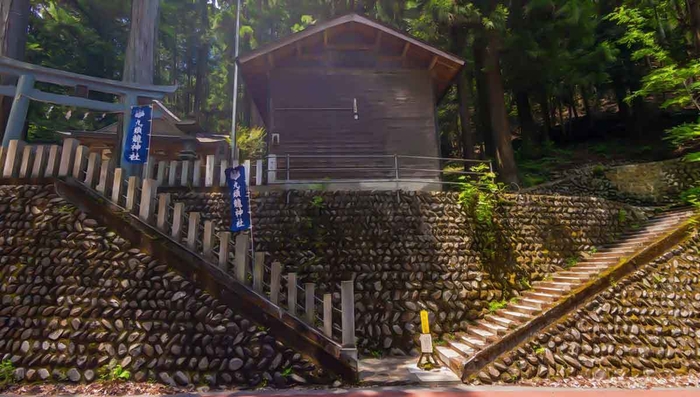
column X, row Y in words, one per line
column 413, row 250
column 647, row 324
column 77, row 298
column 654, row 183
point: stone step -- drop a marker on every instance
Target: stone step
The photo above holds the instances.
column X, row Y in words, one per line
column 506, row 322
column 482, row 334
column 493, row 328
column 533, row 302
column 583, row 275
column 529, row 310
column 460, row 348
column 476, row 343
column 554, row 285
column 568, row 279
column 450, row 358
column 543, row 296
column 549, row 290
column 591, row 269
column 515, row 316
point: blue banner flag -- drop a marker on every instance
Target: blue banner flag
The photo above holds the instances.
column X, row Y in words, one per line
column 240, row 203
column 138, row 138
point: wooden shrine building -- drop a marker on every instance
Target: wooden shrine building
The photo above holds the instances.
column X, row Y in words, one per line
column 349, row 93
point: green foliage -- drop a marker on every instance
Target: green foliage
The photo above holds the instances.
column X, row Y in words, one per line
column 251, row 142
column 376, row 353
column 287, row 372
column 481, row 196
column 598, row 170
column 317, row 202
column 495, row 306
column 692, row 196
column 112, row 373
column 622, row 215
column 539, row 350
column 7, row 373
column 571, row 262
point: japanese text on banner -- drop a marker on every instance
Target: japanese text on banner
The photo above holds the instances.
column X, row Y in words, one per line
column 138, row 138
column 240, row 204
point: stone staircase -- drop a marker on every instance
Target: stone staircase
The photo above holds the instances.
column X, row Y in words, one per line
column 546, row 294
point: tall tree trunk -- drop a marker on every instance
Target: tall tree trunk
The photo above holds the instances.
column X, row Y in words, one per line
column 202, row 58
column 546, row 115
column 14, row 19
column 139, row 63
column 530, row 132
column 499, row 115
column 141, row 49
column 694, row 12
column 465, row 115
column 483, row 121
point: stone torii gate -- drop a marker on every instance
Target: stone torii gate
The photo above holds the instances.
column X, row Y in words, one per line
column 129, row 95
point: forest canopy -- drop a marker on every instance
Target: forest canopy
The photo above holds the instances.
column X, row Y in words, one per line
column 537, row 70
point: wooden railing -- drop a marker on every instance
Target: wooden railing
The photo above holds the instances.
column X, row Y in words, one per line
column 282, row 170
column 333, row 316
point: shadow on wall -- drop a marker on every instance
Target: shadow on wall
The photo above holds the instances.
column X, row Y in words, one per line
column 415, row 250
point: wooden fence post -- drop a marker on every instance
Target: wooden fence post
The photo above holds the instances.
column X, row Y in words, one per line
column 224, row 250
column 209, row 172
column 172, row 173
column 275, row 275
column 117, row 184
column 222, row 173
column 160, row 176
column 92, row 169
column 271, row 168
column 178, row 219
column 67, row 155
column 197, row 173
column 40, row 161
column 292, row 293
column 208, row 240
column 193, row 231
column 309, row 302
column 25, row 168
column 149, row 189
column 241, row 256
column 81, row 153
column 258, row 271
column 328, row 315
column 13, row 159
column 52, row 163
column 347, row 302
column 185, row 173
column 131, row 193
column 258, row 173
column 163, row 209
column 105, row 176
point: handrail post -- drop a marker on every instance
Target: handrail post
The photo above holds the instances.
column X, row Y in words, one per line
column 163, row 209
column 292, row 293
column 149, row 189
column 132, row 184
column 309, row 302
column 178, row 219
column 193, row 231
column 67, row 156
column 287, row 166
column 396, row 166
column 347, row 298
column 328, row 315
column 208, row 239
column 117, row 185
column 271, row 168
column 224, row 250
column 258, row 271
column 275, row 275
column 241, row 256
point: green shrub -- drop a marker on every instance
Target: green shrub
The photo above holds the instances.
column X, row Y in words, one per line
column 114, row 373
column 622, row 215
column 7, row 373
column 495, row 306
